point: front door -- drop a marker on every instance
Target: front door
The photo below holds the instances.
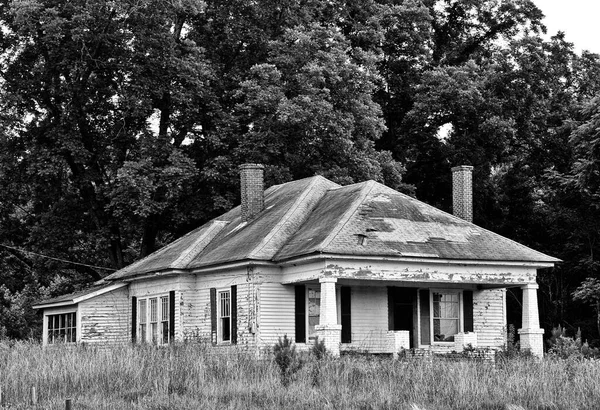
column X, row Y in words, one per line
column 401, row 309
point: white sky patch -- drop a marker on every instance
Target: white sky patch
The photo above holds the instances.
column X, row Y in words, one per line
column 443, row 133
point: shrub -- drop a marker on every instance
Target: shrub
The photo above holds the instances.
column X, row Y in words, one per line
column 512, row 349
column 286, row 359
column 319, row 351
column 564, row 347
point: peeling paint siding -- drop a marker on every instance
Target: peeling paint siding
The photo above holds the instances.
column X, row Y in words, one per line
column 277, row 318
column 106, row 318
column 489, row 319
column 196, row 306
column 369, row 318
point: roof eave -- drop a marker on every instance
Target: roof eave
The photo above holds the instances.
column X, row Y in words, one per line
column 400, row 258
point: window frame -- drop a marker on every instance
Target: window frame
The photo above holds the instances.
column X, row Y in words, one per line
column 221, row 316
column 308, row 288
column 150, row 327
column 460, row 318
column 59, row 313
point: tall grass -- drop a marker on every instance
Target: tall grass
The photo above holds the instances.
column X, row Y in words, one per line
column 192, row 376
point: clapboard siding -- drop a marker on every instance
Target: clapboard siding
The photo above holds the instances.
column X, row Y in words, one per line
column 489, row 317
column 369, row 318
column 276, row 304
column 106, row 319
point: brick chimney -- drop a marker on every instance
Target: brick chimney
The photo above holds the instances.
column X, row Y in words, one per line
column 253, row 199
column 462, row 192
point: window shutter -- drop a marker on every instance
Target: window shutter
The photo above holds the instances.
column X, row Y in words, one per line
column 300, row 314
column 425, row 315
column 133, row 319
column 468, row 310
column 172, row 316
column 234, row 314
column 213, row 315
column 346, row 316
column 391, row 304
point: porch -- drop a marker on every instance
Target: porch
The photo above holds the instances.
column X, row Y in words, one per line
column 357, row 315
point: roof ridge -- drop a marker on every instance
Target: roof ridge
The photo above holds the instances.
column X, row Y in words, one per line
column 308, row 190
column 199, row 244
column 365, row 191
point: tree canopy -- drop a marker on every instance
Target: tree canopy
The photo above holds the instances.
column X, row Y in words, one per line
column 123, row 123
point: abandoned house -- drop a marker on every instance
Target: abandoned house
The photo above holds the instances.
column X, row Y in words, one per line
column 362, row 267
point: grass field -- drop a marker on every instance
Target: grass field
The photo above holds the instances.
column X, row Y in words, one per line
column 193, row 377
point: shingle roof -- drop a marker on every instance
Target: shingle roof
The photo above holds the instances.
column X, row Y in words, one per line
column 316, row 215
column 72, row 298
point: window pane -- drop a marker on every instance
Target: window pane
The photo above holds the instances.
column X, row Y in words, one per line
column 154, row 332
column 142, row 311
column 164, row 309
column 225, row 322
column 142, row 332
column 314, row 311
column 153, row 310
column 225, row 304
column 165, row 332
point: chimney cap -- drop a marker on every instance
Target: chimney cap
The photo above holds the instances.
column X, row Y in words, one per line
column 251, row 166
column 462, row 168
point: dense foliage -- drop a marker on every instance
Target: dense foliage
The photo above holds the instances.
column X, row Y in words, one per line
column 122, row 125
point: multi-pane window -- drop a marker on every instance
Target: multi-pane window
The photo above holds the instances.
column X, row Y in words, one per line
column 153, row 320
column 446, row 316
column 225, row 316
column 62, row 328
column 314, row 311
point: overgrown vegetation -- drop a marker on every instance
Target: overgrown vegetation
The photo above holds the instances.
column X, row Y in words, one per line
column 193, row 376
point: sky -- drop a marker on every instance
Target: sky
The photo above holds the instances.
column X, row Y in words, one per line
column 577, row 18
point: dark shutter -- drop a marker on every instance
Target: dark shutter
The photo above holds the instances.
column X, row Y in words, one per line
column 213, row 316
column 300, row 314
column 133, row 319
column 391, row 304
column 468, row 310
column 425, row 323
column 234, row 314
column 346, row 315
column 172, row 316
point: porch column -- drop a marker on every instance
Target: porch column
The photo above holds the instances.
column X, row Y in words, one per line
column 531, row 334
column 328, row 329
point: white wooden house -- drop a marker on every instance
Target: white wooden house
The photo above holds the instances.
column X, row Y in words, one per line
column 362, row 267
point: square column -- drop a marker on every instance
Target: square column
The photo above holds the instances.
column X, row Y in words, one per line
column 328, row 329
column 532, row 337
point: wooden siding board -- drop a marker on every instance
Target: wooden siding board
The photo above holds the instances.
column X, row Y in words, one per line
column 106, row 319
column 277, row 313
column 489, row 319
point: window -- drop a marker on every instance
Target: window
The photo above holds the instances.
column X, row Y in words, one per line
column 62, row 328
column 225, row 316
column 314, row 311
column 164, row 319
column 153, row 320
column 446, row 315
column 142, row 319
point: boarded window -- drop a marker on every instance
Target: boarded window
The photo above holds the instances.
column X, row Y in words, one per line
column 346, row 308
column 468, row 310
column 300, row 313
column 425, row 317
